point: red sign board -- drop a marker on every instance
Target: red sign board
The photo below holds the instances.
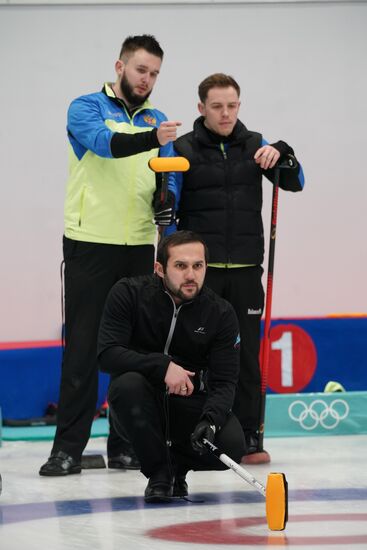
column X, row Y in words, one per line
column 293, row 359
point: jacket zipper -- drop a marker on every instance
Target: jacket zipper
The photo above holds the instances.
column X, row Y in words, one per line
column 228, row 217
column 133, row 169
column 224, row 153
column 173, row 324
column 170, row 335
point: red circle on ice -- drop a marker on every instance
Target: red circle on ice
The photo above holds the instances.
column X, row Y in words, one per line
column 233, row 531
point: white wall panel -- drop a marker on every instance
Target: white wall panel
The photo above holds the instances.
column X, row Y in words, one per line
column 303, row 73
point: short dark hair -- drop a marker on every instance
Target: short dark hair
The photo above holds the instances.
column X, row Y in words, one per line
column 176, row 239
column 141, row 42
column 217, row 80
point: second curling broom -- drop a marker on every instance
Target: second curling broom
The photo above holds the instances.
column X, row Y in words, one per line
column 164, row 165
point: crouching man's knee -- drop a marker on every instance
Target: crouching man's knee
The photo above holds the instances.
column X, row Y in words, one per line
column 231, row 439
column 127, row 390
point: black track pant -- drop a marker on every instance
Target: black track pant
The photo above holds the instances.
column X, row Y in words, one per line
column 242, row 287
column 142, row 410
column 90, row 272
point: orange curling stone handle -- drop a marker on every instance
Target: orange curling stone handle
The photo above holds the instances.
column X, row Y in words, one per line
column 169, row 164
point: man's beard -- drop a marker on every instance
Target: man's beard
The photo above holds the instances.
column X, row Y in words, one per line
column 178, row 293
column 127, row 93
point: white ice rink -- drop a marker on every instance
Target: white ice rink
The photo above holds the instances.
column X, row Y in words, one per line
column 104, row 509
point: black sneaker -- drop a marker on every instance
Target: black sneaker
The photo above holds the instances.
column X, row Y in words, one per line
column 159, row 488
column 252, row 442
column 180, row 488
column 124, row 462
column 60, row 464
column 253, row 454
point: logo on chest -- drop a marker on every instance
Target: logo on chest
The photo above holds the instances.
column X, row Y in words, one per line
column 150, row 120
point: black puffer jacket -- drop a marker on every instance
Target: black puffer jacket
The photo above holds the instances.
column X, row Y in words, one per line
column 221, row 195
column 142, row 331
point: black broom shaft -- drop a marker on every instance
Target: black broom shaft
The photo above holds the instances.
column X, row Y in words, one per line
column 268, row 306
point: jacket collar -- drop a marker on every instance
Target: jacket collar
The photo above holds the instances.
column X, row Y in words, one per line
column 161, row 285
column 240, row 134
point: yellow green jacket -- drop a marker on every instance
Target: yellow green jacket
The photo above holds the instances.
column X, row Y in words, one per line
column 110, row 188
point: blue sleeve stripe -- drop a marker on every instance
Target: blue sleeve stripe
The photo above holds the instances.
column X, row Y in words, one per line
column 178, row 181
column 301, row 176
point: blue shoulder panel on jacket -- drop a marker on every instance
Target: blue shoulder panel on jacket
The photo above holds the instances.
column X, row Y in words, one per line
column 86, row 124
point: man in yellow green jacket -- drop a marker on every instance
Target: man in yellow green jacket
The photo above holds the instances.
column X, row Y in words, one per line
column 109, row 231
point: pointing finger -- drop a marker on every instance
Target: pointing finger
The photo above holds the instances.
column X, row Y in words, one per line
column 171, row 123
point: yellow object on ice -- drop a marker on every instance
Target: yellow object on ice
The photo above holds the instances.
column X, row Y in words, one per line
column 276, row 500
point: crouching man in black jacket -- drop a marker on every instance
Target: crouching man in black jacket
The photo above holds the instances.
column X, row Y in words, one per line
column 171, row 347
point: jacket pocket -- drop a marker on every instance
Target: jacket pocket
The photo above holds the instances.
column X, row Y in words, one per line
column 81, row 206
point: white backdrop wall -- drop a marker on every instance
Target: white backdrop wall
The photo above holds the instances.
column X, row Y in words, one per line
column 302, row 69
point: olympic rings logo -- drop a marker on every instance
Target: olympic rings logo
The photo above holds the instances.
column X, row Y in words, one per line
column 318, row 412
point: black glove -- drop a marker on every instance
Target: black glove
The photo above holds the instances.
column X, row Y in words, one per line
column 164, row 213
column 287, row 158
column 204, row 430
column 283, row 148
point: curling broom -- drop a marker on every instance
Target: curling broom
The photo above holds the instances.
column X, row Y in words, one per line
column 275, row 493
column 163, row 165
column 261, row 456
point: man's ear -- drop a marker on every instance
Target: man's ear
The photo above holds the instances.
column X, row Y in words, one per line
column 119, row 67
column 158, row 269
column 201, row 108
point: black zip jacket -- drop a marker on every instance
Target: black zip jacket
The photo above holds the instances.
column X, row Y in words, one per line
column 142, row 330
column 221, row 197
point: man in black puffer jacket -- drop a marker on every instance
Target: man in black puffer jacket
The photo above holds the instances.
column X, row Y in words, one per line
column 171, row 347
column 221, row 199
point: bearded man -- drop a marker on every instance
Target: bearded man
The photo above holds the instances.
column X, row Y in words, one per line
column 109, row 232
